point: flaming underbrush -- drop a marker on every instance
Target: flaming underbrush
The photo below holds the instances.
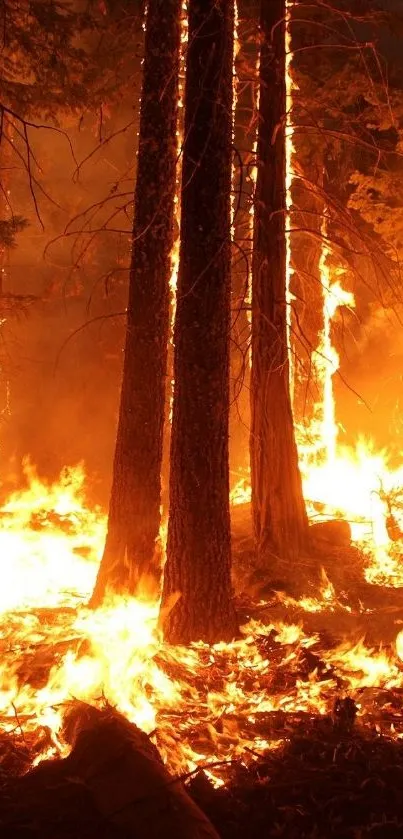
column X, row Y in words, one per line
column 203, row 705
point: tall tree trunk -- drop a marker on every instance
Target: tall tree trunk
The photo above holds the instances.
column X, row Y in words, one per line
column 6, row 213
column 134, row 512
column 247, row 76
column 307, row 287
column 280, row 520
column 199, row 550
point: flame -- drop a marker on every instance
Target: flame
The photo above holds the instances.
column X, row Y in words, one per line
column 173, row 280
column 241, row 490
column 326, row 598
column 345, row 483
column 326, row 359
column 290, row 151
column 253, row 170
column 203, row 704
column 235, row 82
column 351, row 483
column 51, row 541
column 340, row 481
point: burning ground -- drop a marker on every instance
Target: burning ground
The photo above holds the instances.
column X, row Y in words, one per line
column 292, row 730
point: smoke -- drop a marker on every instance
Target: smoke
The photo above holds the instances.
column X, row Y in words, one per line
column 61, row 355
column 368, row 391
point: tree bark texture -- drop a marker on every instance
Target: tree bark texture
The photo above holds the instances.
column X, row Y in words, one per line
column 134, row 512
column 307, row 288
column 6, row 213
column 245, row 124
column 122, row 778
column 280, row 521
column 128, row 779
column 198, row 549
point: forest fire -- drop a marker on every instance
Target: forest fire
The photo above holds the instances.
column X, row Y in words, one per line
column 204, row 704
column 181, row 654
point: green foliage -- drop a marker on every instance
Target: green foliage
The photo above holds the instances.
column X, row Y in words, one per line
column 55, row 60
column 378, row 197
column 377, row 189
column 42, row 63
column 349, row 118
column 340, row 77
column 9, row 229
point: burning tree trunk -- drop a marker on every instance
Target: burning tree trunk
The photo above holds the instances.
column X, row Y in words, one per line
column 280, row 520
column 134, row 512
column 199, row 550
column 243, row 184
column 307, row 287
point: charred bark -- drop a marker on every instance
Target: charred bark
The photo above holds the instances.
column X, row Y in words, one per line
column 199, row 550
column 280, row 521
column 307, row 288
column 245, row 123
column 134, row 512
column 123, row 778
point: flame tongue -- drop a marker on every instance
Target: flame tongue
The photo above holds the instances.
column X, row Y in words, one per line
column 205, row 704
column 50, row 542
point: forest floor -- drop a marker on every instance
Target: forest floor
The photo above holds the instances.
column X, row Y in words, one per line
column 328, row 774
column 325, row 781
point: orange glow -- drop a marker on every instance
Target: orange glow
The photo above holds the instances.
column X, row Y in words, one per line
column 177, row 210
column 253, row 178
column 326, row 361
column 349, row 483
column 291, row 87
column 203, row 704
column 53, row 542
column 234, row 104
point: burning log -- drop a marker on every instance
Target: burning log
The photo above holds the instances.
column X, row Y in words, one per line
column 127, row 779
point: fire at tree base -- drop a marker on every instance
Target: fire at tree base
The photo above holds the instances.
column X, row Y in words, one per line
column 260, row 730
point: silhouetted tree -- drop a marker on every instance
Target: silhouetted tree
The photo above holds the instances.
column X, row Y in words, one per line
column 197, row 588
column 134, row 512
column 280, row 520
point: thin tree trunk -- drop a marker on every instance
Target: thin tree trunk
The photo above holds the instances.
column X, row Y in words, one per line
column 244, row 136
column 134, row 512
column 307, row 287
column 279, row 515
column 6, row 154
column 199, row 550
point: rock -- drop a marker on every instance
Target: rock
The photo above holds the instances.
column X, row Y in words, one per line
column 334, row 532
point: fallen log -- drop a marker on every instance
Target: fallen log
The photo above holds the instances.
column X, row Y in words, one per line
column 127, row 779
column 335, row 532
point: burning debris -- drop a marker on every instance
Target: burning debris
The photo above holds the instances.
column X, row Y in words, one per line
column 231, row 711
column 260, row 729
